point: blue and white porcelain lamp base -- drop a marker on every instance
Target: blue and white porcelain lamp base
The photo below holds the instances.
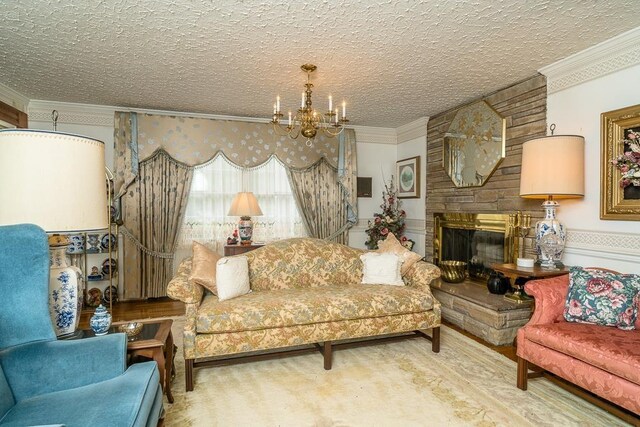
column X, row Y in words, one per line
column 550, row 237
column 66, row 289
column 245, row 230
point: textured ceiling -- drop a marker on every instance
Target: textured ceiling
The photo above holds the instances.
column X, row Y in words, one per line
column 393, row 61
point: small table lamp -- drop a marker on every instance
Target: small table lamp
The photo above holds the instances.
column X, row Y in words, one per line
column 56, row 181
column 552, row 168
column 245, row 205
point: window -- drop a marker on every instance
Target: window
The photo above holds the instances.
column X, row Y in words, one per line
column 213, row 188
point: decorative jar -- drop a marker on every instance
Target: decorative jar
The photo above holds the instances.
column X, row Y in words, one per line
column 100, row 321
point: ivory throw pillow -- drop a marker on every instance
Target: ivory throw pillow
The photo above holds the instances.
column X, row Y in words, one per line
column 381, row 269
column 392, row 245
column 232, row 277
column 203, row 271
column 602, row 297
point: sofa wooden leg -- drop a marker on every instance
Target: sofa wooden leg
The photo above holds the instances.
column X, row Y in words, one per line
column 523, row 370
column 435, row 339
column 188, row 374
column 327, row 353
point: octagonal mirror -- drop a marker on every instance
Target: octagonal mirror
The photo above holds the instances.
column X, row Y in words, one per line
column 474, row 145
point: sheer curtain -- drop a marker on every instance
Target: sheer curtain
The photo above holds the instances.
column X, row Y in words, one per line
column 214, row 187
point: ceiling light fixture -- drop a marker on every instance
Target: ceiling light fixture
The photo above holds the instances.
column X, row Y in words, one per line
column 307, row 121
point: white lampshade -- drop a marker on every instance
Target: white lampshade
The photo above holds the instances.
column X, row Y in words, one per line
column 54, row 180
column 245, row 204
column 553, row 166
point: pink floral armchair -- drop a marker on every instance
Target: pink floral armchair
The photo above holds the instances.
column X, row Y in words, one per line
column 601, row 359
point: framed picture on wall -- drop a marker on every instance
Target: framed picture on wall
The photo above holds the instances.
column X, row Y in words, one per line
column 408, row 173
column 620, row 164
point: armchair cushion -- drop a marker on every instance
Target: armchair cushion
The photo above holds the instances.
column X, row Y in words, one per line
column 602, row 297
column 126, row 400
column 69, row 364
column 607, row 348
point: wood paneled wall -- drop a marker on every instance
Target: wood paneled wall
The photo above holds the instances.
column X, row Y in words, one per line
column 524, row 106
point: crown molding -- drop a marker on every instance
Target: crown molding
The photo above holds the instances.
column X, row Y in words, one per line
column 71, row 113
column 612, row 55
column 375, row 135
column 412, row 130
column 102, row 115
column 13, row 98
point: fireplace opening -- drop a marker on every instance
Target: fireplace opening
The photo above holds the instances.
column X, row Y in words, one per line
column 477, row 239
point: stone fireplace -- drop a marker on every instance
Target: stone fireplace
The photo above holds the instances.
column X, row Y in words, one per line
column 469, row 304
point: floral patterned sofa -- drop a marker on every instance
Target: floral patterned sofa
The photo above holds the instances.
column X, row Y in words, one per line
column 304, row 291
column 601, row 359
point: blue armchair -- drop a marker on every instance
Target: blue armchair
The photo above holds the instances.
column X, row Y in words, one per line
column 45, row 381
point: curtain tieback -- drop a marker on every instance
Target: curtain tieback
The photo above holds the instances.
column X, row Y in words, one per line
column 140, row 246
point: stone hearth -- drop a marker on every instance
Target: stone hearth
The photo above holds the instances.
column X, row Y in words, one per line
column 470, row 306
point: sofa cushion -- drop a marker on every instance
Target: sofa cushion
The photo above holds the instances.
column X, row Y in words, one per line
column 288, row 307
column 203, row 271
column 602, row 297
column 611, row 349
column 392, row 245
column 303, row 263
column 232, row 277
column 381, row 269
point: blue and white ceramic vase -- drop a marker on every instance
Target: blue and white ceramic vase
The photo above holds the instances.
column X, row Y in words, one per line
column 245, row 229
column 100, row 321
column 550, row 225
column 66, row 288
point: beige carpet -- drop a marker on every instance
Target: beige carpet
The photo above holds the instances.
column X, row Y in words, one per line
column 395, row 384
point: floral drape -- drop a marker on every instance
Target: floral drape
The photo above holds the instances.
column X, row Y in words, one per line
column 326, row 196
column 155, row 202
column 155, row 156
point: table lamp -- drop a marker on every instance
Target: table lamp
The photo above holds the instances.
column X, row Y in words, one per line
column 56, row 181
column 552, row 168
column 245, row 205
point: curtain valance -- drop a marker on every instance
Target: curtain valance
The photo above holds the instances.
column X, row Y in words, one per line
column 195, row 141
column 154, row 160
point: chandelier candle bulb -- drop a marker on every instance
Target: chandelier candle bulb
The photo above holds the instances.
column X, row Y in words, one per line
column 308, row 121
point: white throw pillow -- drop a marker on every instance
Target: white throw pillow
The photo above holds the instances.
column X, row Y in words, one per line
column 381, row 269
column 232, row 277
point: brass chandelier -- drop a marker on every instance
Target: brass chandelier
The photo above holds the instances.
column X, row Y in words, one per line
column 308, row 121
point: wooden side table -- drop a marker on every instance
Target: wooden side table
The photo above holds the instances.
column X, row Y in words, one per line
column 230, row 250
column 513, row 272
column 155, row 341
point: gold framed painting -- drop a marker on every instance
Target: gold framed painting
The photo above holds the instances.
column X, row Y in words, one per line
column 408, row 173
column 620, row 164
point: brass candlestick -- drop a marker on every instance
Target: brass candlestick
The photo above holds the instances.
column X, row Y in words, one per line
column 523, row 225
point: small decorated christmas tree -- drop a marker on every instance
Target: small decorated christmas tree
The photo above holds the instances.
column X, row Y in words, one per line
column 391, row 220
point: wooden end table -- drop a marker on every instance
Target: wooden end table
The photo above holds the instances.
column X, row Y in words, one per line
column 513, row 272
column 237, row 249
column 155, row 341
